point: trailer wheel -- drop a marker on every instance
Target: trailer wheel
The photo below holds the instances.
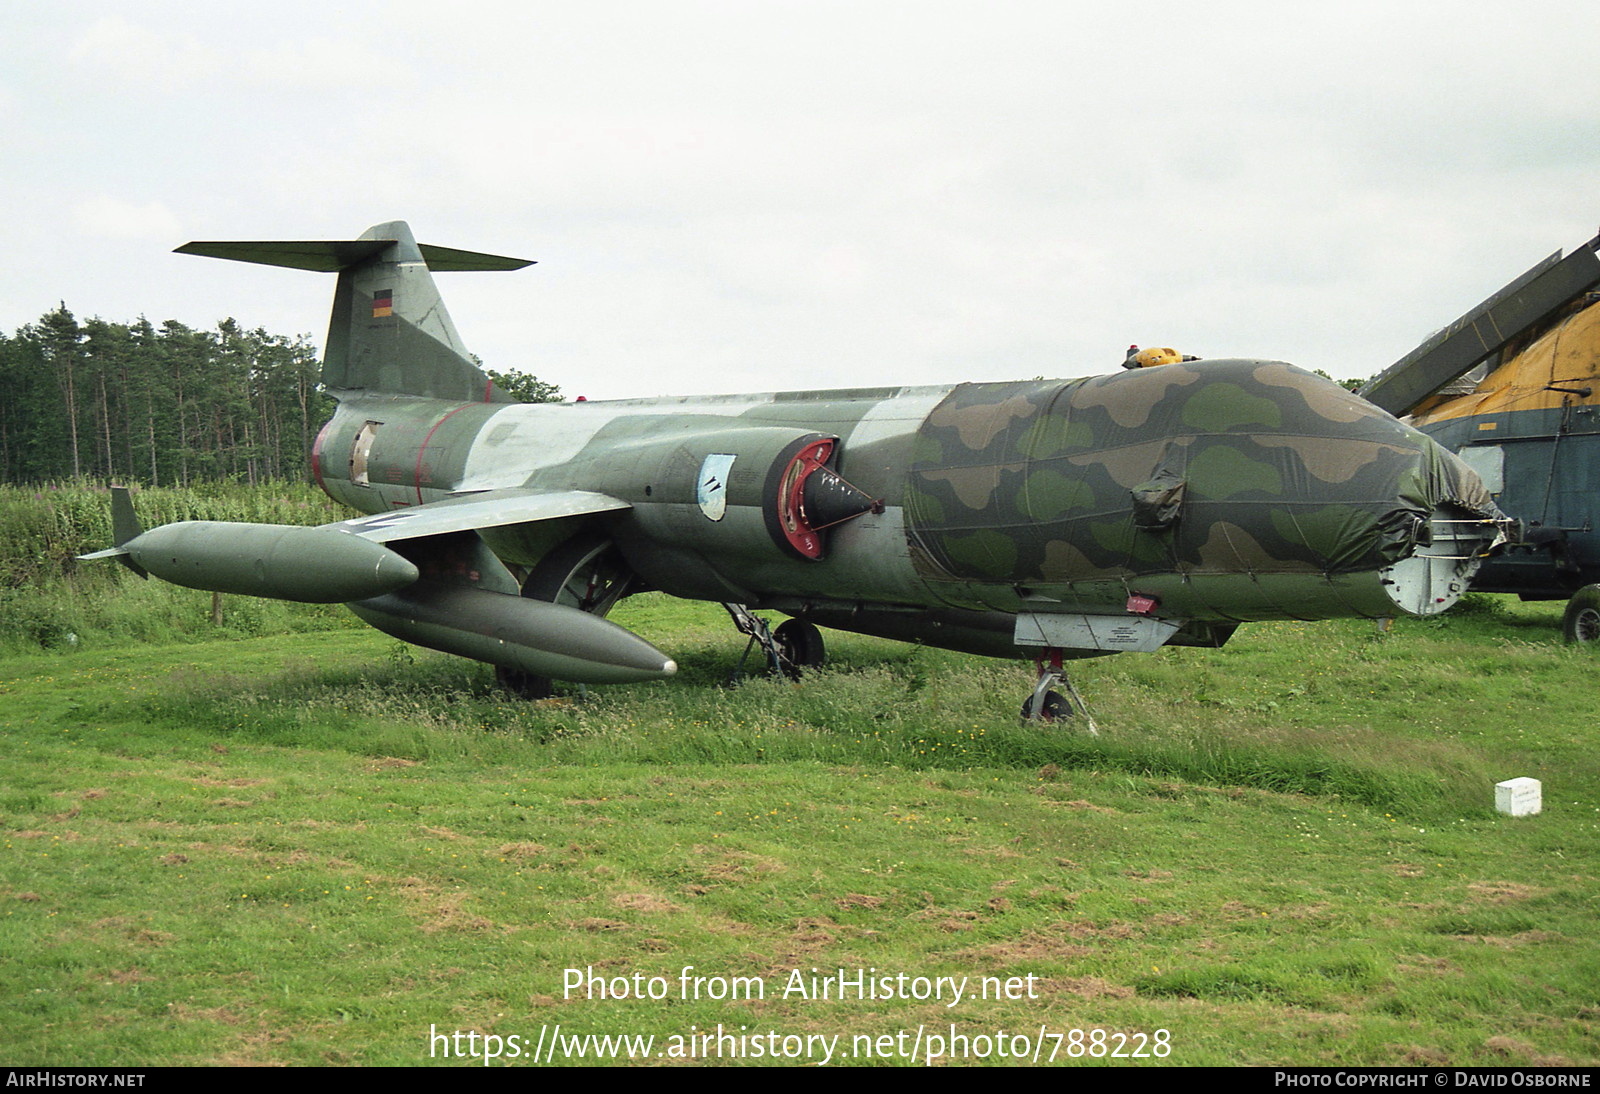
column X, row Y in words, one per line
column 1582, row 620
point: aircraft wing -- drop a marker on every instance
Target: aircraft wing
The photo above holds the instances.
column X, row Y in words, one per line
column 485, row 509
column 1486, row 329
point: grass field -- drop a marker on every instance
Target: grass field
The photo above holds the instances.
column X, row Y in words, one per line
column 319, row 847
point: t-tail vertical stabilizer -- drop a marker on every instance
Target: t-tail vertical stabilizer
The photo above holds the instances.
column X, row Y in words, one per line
column 389, row 332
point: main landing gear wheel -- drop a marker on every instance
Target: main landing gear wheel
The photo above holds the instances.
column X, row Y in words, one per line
column 524, row 685
column 1581, row 623
column 586, row 573
column 800, row 647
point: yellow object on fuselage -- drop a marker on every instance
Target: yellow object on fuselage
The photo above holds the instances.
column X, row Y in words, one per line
column 1156, row 355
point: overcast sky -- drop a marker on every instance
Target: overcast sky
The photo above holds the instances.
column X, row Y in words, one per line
column 759, row 195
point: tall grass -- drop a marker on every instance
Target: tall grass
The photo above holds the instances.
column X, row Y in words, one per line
column 44, row 527
column 50, row 600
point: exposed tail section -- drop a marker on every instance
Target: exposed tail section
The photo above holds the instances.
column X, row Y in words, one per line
column 125, row 528
column 389, row 331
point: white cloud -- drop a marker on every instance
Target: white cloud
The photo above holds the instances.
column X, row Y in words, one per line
column 320, row 64
column 125, row 51
column 104, row 215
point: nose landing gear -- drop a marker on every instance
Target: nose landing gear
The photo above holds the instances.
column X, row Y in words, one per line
column 1049, row 705
column 791, row 648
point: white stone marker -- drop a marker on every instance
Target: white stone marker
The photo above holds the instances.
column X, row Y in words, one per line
column 1518, row 797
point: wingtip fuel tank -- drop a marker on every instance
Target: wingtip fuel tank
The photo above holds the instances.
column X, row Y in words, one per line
column 279, row 561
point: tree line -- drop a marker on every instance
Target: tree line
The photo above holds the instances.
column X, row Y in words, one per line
column 166, row 405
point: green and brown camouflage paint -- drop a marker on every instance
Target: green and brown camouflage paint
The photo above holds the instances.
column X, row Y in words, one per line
column 1241, row 469
column 1195, row 494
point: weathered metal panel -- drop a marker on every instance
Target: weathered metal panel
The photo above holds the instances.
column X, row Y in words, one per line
column 1486, row 329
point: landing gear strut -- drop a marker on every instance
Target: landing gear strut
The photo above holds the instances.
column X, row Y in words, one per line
column 1049, row 705
column 792, row 647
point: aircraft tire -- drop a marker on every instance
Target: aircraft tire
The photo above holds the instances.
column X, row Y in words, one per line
column 586, row 573
column 800, row 643
column 1581, row 623
column 524, row 685
column 1056, row 708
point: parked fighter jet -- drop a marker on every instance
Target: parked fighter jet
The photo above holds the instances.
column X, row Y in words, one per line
column 1511, row 387
column 1052, row 518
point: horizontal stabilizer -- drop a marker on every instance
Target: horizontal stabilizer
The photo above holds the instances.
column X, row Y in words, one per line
column 333, row 255
column 450, row 260
column 470, row 512
column 389, row 332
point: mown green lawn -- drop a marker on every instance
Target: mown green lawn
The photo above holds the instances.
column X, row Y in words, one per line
column 318, row 848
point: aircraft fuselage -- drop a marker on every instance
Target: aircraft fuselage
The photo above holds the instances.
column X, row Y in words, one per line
column 1222, row 491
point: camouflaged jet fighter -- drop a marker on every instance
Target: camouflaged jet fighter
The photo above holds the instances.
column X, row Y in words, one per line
column 1045, row 518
